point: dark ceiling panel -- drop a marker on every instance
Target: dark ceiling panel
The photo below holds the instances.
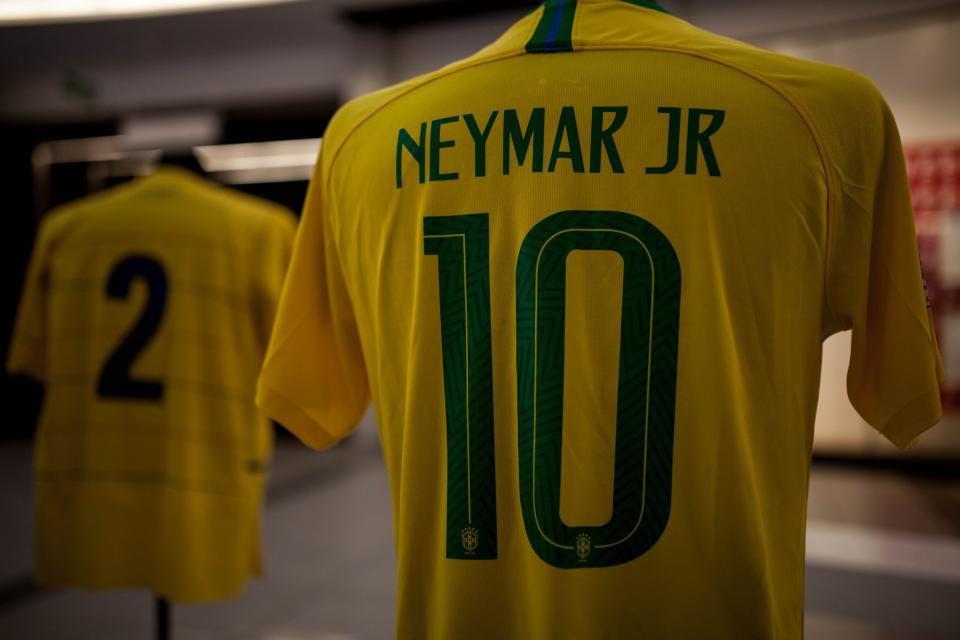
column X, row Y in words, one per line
column 283, row 121
column 411, row 15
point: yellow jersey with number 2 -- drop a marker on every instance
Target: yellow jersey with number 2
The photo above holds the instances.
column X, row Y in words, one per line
column 145, row 313
column 585, row 276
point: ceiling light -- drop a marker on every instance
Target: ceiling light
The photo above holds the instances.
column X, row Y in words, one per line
column 276, row 161
column 38, row 11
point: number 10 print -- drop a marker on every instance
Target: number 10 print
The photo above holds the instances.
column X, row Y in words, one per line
column 646, row 391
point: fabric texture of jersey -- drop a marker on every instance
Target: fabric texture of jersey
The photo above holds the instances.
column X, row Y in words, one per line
column 145, row 313
column 585, row 276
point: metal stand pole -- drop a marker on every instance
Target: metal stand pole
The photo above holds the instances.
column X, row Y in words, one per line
column 162, row 618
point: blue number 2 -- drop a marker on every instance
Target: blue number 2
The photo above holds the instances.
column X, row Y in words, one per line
column 115, row 380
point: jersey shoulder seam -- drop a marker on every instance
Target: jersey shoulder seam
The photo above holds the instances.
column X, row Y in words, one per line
column 456, row 67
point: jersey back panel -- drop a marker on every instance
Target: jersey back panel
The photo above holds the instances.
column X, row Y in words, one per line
column 586, row 274
column 146, row 313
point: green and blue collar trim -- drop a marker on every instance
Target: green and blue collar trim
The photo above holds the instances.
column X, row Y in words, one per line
column 554, row 32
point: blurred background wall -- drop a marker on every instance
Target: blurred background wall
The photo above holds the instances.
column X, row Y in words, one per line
column 278, row 72
column 90, row 100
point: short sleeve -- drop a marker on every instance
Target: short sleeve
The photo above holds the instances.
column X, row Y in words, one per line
column 28, row 346
column 313, row 379
column 875, row 287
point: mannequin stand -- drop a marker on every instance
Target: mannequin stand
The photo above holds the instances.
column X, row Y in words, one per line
column 161, row 608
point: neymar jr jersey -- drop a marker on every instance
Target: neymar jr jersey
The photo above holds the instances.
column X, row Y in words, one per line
column 146, row 312
column 585, row 276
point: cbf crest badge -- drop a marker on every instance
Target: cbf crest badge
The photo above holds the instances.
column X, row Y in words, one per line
column 583, row 547
column 469, row 538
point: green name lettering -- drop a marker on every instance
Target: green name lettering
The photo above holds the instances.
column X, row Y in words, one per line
column 697, row 139
column 601, row 138
column 436, row 144
column 522, row 141
column 479, row 141
column 567, row 129
column 673, row 140
column 415, row 149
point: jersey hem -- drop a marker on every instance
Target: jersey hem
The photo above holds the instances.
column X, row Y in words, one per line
column 19, row 367
column 913, row 419
column 57, row 580
column 295, row 420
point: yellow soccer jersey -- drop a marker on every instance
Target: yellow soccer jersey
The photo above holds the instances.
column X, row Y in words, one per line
column 146, row 312
column 585, row 275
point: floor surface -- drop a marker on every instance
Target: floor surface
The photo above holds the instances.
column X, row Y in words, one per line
column 883, row 559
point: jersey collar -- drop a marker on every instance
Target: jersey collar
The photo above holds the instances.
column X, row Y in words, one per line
column 565, row 25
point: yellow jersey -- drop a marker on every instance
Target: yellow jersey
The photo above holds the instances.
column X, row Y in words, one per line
column 146, row 312
column 585, row 276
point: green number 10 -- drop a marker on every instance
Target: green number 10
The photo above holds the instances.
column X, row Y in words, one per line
column 646, row 392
